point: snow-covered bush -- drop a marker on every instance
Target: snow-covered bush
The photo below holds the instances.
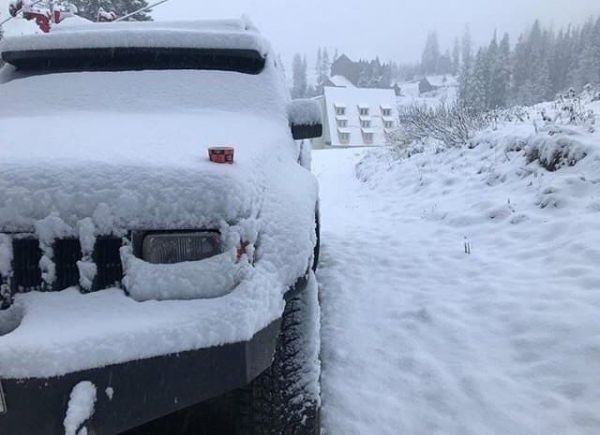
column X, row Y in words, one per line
column 451, row 125
column 553, row 153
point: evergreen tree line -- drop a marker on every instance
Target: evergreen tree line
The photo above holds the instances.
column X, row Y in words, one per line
column 433, row 61
column 301, row 86
column 375, row 74
column 370, row 74
column 89, row 8
column 542, row 64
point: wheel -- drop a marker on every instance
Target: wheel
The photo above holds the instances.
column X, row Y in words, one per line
column 285, row 399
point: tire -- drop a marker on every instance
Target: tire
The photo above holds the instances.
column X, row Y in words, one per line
column 285, row 399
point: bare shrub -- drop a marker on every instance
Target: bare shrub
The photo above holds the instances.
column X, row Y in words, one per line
column 452, row 125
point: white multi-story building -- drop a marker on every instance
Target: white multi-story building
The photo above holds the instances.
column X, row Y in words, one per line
column 356, row 117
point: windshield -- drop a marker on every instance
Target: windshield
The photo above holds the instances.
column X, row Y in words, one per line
column 152, row 90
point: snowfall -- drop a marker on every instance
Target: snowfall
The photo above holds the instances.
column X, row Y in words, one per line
column 459, row 286
column 419, row 336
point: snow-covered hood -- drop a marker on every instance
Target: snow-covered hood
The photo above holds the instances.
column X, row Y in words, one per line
column 151, row 170
column 148, row 171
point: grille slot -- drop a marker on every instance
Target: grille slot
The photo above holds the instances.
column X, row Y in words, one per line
column 27, row 275
column 108, row 261
column 67, row 252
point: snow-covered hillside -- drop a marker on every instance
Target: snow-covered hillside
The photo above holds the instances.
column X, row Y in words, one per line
column 421, row 337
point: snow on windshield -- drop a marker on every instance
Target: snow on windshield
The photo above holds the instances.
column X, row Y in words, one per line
column 142, row 91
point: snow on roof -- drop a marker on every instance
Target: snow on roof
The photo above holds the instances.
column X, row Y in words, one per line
column 442, row 81
column 218, row 34
column 386, row 107
column 354, row 99
column 341, row 82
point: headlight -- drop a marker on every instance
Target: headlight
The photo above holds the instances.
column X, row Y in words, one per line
column 170, row 248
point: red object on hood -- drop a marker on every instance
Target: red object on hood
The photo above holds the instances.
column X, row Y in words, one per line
column 221, row 155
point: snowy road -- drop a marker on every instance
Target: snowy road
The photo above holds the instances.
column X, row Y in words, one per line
column 419, row 338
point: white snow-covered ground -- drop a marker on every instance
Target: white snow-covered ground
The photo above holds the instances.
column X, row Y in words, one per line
column 419, row 337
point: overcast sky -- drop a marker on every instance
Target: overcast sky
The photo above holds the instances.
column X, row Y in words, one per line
column 392, row 29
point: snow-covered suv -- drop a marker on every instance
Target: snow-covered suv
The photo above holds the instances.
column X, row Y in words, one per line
column 138, row 276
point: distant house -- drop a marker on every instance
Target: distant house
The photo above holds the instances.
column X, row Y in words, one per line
column 345, row 67
column 425, row 86
column 433, row 83
column 356, row 117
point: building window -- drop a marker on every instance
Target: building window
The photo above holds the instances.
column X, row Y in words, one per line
column 368, row 137
column 340, row 111
column 388, row 124
column 365, row 123
column 364, row 111
column 386, row 112
column 344, row 137
column 342, row 123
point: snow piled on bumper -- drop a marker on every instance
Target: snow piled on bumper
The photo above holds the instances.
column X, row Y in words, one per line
column 67, row 331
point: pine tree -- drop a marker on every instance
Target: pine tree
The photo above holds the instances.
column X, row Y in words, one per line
column 559, row 61
column 431, row 54
column 501, row 74
column 588, row 61
column 464, row 89
column 538, row 87
column 479, row 86
column 322, row 69
column 520, row 69
column 299, row 77
column 444, row 65
column 89, row 8
column 325, row 65
column 491, row 95
column 456, row 57
column 318, row 64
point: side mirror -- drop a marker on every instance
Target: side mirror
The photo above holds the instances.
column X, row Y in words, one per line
column 305, row 119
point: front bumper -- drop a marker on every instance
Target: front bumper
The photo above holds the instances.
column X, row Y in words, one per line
column 133, row 393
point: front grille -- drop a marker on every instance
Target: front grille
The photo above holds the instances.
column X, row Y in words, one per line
column 27, row 276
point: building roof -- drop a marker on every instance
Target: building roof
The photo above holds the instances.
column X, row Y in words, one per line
column 442, row 81
column 341, row 82
column 353, row 98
